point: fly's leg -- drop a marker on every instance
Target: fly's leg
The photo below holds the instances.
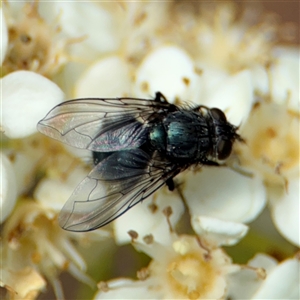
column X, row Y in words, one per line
column 159, row 97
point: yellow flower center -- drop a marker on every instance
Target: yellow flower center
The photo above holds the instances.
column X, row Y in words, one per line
column 276, row 148
column 272, row 140
column 191, row 276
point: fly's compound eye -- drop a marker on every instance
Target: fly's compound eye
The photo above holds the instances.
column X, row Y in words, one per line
column 218, row 115
column 224, row 148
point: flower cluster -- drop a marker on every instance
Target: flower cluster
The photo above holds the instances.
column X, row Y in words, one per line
column 213, row 54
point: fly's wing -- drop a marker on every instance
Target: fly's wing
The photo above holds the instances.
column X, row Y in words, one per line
column 103, row 125
column 114, row 186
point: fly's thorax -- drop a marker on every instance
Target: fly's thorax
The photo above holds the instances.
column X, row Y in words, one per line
column 182, row 135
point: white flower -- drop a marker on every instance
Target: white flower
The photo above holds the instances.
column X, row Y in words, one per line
column 272, row 140
column 271, row 150
column 272, row 137
column 181, row 269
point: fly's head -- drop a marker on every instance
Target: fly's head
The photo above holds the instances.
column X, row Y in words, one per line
column 224, row 134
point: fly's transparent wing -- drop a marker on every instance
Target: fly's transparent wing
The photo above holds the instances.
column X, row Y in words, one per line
column 114, row 186
column 102, row 125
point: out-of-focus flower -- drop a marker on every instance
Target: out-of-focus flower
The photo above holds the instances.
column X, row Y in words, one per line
column 24, row 283
column 33, row 249
column 91, row 29
column 33, row 44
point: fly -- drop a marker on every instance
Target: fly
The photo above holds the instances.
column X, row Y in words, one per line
column 138, row 145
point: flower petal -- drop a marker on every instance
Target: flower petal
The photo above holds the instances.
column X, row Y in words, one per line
column 183, row 269
column 54, row 192
column 4, row 37
column 25, row 159
column 260, row 79
column 282, row 282
column 89, row 21
column 170, row 70
column 285, row 77
column 127, row 289
column 8, row 190
column 108, row 77
column 285, row 212
column 224, row 194
column 243, row 284
column 26, row 283
column 234, row 96
column 211, row 80
column 218, row 232
column 148, row 217
column 26, row 98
